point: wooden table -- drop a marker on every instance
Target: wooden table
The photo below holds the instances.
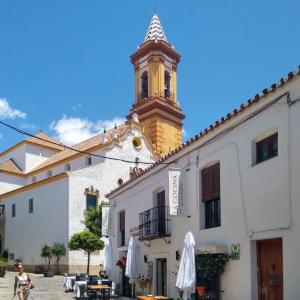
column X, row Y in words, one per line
column 98, row 287
column 153, row 298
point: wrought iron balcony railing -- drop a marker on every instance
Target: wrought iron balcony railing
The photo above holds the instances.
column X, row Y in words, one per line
column 154, row 223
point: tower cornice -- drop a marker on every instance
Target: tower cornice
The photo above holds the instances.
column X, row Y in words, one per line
column 157, row 45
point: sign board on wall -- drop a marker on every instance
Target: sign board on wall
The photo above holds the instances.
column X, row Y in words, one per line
column 105, row 220
column 175, row 192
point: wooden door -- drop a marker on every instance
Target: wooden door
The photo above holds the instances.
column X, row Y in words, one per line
column 161, row 282
column 270, row 269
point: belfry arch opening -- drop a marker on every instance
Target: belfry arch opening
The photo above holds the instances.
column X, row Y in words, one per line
column 167, row 87
column 144, row 86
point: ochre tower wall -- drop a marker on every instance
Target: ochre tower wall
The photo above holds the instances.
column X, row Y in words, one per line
column 165, row 135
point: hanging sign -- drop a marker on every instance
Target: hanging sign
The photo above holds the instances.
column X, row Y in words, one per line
column 105, row 220
column 175, row 192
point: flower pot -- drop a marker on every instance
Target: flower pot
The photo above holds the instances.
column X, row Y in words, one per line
column 201, row 290
column 48, row 274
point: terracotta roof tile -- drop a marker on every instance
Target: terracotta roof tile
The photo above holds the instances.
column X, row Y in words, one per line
column 11, row 167
column 47, row 141
column 104, row 138
column 235, row 112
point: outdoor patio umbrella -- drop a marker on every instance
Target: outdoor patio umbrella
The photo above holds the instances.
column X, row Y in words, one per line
column 131, row 270
column 186, row 277
column 108, row 257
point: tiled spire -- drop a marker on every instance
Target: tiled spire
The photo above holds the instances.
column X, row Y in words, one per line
column 155, row 30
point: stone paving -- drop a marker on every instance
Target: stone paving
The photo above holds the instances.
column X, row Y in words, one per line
column 44, row 288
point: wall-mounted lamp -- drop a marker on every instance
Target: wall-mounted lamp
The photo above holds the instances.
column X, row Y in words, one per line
column 145, row 259
column 177, row 255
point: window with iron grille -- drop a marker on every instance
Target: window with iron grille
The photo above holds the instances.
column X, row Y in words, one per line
column 30, row 206
column 267, row 148
column 211, row 195
column 122, row 228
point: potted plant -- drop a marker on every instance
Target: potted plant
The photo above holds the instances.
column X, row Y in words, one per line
column 3, row 262
column 58, row 250
column 209, row 266
column 46, row 253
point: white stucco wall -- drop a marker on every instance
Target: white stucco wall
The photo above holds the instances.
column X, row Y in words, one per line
column 27, row 232
column 257, row 201
column 10, row 182
column 103, row 176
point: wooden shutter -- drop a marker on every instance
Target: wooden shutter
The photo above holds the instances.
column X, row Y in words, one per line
column 122, row 220
column 211, row 182
column 161, row 198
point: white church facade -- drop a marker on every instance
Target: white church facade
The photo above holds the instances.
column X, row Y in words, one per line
column 50, row 192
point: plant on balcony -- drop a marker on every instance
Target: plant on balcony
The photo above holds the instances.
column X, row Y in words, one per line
column 121, row 263
column 209, row 266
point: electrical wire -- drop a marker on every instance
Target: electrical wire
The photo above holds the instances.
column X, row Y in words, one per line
column 79, row 151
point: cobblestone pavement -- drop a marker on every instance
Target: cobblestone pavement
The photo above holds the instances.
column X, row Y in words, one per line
column 44, row 288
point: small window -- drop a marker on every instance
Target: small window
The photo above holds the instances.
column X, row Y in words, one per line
column 67, row 167
column 30, row 206
column 91, row 201
column 89, row 161
column 13, row 210
column 267, row 148
column 49, row 174
column 122, row 228
column 33, row 180
column 211, row 195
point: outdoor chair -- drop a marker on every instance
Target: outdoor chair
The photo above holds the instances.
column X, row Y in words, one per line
column 93, row 278
column 84, row 293
column 81, row 278
column 92, row 282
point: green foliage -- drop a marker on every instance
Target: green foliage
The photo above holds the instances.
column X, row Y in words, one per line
column 86, row 241
column 93, row 220
column 47, row 254
column 3, row 261
column 5, row 254
column 210, row 266
column 58, row 250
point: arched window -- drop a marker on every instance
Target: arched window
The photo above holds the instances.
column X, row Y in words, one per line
column 144, row 91
column 167, row 85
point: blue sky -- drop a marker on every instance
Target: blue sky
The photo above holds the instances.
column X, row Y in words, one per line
column 65, row 68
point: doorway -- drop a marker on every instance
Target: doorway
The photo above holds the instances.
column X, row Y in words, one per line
column 161, row 282
column 270, row 269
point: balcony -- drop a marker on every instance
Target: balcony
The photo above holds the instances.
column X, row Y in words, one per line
column 154, row 223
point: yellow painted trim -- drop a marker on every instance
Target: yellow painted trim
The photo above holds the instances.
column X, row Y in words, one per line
column 34, row 185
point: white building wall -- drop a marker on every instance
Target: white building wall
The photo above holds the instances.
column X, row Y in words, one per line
column 10, row 182
column 103, row 176
column 257, row 201
column 18, row 155
column 26, row 233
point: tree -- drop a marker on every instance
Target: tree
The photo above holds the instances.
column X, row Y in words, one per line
column 86, row 241
column 47, row 254
column 93, row 220
column 58, row 250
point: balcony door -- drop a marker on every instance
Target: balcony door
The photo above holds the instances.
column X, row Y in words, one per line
column 161, row 212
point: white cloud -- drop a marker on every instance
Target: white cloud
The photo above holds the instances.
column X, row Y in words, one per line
column 7, row 112
column 72, row 130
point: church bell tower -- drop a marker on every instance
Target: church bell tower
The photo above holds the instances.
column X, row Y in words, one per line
column 155, row 64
